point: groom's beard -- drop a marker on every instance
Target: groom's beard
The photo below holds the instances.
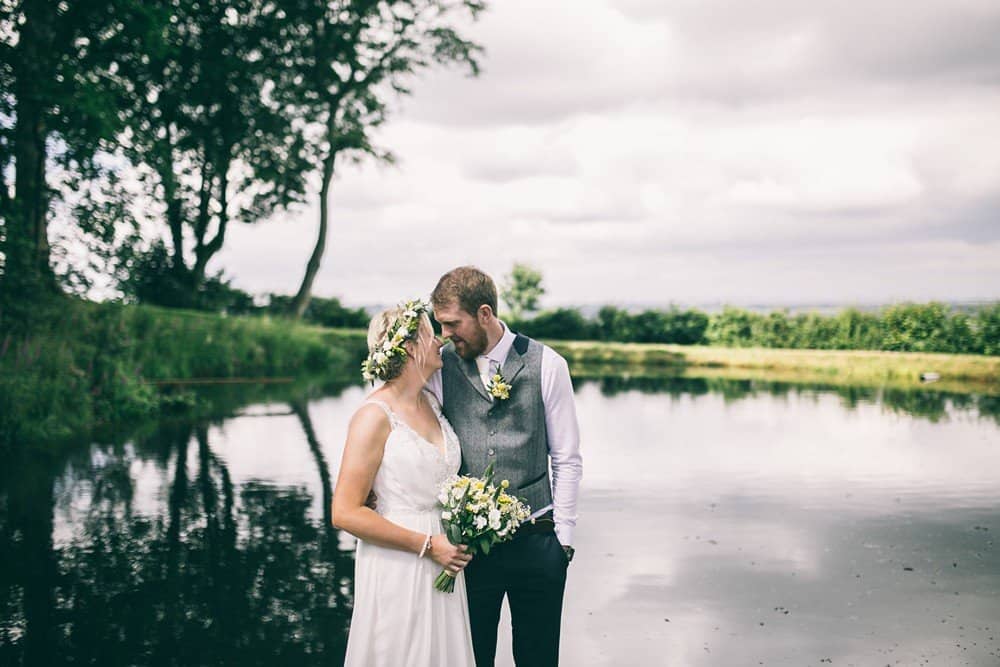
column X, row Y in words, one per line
column 470, row 348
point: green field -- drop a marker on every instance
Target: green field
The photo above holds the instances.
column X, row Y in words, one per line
column 957, row 372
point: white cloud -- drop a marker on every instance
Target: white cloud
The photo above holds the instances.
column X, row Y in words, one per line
column 688, row 151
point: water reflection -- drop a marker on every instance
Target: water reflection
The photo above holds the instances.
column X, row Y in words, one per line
column 927, row 403
column 722, row 522
column 783, row 527
column 147, row 552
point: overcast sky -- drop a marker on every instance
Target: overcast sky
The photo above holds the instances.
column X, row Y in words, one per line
column 694, row 151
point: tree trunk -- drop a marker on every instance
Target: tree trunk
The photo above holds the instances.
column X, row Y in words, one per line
column 301, row 300
column 301, row 410
column 26, row 247
column 169, row 629
column 204, row 251
column 175, row 212
column 32, row 512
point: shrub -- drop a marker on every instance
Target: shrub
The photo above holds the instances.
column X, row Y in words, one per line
column 912, row 327
column 987, row 329
column 733, row 327
column 559, row 324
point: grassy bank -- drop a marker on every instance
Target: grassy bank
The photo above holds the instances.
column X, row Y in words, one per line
column 86, row 364
column 958, row 372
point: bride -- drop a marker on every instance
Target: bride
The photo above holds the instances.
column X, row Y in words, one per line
column 401, row 448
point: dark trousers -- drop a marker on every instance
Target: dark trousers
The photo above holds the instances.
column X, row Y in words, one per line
column 531, row 571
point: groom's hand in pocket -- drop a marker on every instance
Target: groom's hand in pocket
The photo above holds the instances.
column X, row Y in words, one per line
column 449, row 556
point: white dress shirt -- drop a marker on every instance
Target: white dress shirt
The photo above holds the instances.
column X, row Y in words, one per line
column 560, row 425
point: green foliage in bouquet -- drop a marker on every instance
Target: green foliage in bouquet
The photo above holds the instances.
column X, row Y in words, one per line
column 479, row 514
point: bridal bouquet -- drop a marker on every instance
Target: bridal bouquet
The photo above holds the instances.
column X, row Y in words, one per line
column 479, row 514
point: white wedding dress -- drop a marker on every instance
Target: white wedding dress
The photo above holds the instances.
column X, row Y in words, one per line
column 399, row 619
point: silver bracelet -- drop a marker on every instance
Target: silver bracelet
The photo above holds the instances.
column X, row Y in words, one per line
column 427, row 544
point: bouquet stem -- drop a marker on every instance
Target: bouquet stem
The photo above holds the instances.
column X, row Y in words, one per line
column 445, row 582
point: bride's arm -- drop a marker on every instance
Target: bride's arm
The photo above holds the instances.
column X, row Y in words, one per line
column 366, row 438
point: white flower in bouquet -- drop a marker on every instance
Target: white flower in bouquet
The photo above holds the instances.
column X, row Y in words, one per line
column 478, row 514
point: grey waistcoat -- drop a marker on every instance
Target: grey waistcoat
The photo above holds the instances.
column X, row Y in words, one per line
column 510, row 433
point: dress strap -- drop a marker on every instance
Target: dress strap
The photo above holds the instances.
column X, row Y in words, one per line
column 433, row 401
column 385, row 408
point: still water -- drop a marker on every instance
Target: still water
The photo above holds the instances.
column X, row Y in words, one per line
column 722, row 522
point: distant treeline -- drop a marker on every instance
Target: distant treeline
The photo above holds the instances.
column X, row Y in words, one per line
column 908, row 327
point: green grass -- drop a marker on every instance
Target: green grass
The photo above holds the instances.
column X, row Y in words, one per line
column 177, row 344
column 83, row 365
column 958, row 372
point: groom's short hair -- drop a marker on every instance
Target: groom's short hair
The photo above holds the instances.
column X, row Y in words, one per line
column 467, row 286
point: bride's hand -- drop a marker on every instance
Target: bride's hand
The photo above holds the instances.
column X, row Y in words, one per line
column 452, row 558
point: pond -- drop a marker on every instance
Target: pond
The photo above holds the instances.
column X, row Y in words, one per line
column 722, row 522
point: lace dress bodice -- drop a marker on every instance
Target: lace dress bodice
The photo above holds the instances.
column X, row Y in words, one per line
column 413, row 469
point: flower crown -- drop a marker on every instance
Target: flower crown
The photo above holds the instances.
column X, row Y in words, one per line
column 402, row 329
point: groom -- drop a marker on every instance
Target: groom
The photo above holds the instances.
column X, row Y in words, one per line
column 520, row 434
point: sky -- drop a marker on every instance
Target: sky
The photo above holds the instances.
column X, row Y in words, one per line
column 679, row 151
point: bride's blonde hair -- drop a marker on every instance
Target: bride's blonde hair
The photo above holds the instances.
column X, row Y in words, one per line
column 378, row 330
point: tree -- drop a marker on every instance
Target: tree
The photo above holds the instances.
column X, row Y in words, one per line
column 558, row 324
column 349, row 57
column 930, row 327
column 649, row 326
column 522, row 289
column 58, row 91
column 987, row 324
column 733, row 327
column 210, row 146
column 613, row 324
column 686, row 327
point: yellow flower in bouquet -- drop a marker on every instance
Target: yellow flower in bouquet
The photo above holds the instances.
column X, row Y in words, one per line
column 479, row 514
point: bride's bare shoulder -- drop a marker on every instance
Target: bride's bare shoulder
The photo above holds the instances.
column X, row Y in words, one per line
column 370, row 419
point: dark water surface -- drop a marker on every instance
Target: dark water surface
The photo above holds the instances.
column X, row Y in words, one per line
column 722, row 522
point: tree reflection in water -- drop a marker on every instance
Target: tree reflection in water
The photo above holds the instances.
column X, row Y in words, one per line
column 925, row 403
column 221, row 575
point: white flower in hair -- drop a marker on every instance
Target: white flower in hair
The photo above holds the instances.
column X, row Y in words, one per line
column 402, row 329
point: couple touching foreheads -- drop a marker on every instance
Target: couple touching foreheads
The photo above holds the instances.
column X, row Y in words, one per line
column 434, row 418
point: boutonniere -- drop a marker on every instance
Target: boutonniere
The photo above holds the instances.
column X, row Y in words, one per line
column 498, row 387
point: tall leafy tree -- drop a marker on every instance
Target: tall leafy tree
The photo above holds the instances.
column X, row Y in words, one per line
column 59, row 88
column 350, row 58
column 522, row 289
column 210, row 146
